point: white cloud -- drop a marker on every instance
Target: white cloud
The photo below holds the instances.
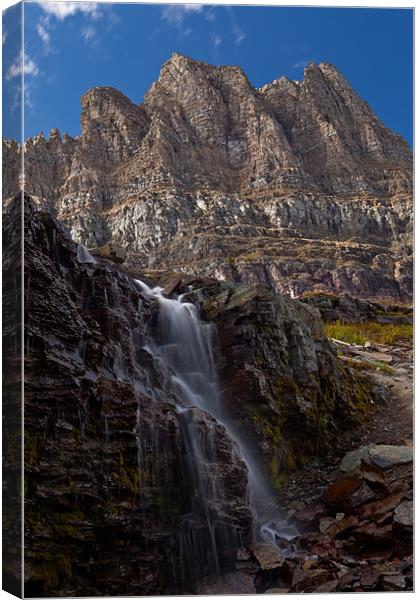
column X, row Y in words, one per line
column 42, row 30
column 15, row 69
column 175, row 14
column 192, row 7
column 61, row 10
column 300, row 64
column 88, row 33
column 209, row 14
column 239, row 34
column 216, row 40
column 4, row 36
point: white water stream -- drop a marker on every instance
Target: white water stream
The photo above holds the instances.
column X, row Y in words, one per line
column 184, row 343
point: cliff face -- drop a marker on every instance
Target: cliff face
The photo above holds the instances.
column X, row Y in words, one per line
column 296, row 184
column 117, row 500
column 112, row 504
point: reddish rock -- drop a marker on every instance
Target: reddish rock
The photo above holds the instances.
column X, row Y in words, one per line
column 369, row 579
column 340, row 526
column 308, row 581
column 268, row 556
column 310, row 513
column 172, row 286
column 340, row 492
column 370, row 532
column 373, row 510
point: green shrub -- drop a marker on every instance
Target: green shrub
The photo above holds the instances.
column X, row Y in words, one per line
column 371, row 331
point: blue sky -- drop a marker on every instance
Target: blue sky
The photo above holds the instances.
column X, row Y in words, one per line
column 72, row 47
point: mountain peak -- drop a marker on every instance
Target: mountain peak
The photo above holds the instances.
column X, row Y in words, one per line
column 257, row 172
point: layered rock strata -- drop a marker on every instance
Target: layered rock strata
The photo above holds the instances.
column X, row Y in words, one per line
column 296, row 184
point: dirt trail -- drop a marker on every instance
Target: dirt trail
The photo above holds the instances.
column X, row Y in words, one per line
column 391, row 421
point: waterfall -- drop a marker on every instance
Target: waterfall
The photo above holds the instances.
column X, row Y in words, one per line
column 84, row 256
column 183, row 343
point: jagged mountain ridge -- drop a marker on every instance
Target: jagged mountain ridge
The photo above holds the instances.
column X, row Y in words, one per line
column 296, row 184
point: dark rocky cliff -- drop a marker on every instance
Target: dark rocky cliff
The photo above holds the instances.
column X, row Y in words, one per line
column 107, row 481
column 106, row 477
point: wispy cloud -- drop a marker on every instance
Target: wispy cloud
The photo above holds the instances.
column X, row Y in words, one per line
column 88, row 33
column 58, row 12
column 42, row 28
column 175, row 14
column 216, row 40
column 28, row 87
column 29, row 67
column 61, row 10
column 91, row 38
column 238, row 33
column 4, row 36
column 210, row 13
column 300, row 64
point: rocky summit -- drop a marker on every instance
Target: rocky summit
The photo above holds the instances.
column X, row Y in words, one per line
column 217, row 343
column 296, row 185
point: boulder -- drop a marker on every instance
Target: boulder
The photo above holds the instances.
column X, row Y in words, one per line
column 352, row 460
column 172, row 286
column 117, row 254
column 404, row 514
column 268, row 556
column 394, row 583
column 385, row 456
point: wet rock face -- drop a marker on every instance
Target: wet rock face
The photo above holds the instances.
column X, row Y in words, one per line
column 280, row 377
column 12, row 266
column 105, row 440
column 104, row 443
column 296, row 184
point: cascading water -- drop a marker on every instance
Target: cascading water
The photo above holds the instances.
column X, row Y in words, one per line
column 84, row 256
column 184, row 345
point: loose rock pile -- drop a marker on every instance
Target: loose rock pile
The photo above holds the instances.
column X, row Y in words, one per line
column 358, row 535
